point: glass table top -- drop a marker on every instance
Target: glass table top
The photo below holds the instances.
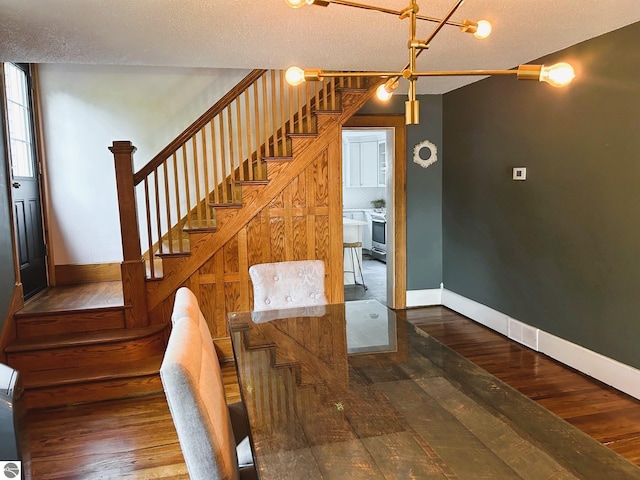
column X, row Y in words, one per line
column 354, row 391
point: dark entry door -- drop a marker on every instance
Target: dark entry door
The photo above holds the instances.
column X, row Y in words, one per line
column 25, row 185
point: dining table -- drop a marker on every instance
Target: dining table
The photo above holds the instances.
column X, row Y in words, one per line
column 355, row 391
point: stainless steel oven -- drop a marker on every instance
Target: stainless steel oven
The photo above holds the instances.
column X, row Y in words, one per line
column 379, row 236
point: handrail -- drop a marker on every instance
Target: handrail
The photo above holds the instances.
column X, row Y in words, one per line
column 196, row 126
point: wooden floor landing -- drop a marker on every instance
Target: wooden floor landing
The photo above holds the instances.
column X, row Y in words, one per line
column 76, row 297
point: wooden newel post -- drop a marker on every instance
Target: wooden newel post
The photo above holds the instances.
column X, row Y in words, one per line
column 133, row 268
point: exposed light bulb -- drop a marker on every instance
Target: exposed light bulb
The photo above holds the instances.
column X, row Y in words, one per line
column 483, row 30
column 558, row 75
column 294, row 76
column 382, row 93
column 298, row 3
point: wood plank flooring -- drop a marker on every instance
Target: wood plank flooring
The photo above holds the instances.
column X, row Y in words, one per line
column 135, row 438
column 128, row 438
column 609, row 416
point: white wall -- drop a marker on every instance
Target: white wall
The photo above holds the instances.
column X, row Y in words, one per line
column 86, row 108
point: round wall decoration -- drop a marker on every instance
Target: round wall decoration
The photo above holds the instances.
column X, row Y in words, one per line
column 433, row 158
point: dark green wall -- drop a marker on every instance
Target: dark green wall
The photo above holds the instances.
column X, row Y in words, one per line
column 424, row 192
column 7, row 275
column 559, row 251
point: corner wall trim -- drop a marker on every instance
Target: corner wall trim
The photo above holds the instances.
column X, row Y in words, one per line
column 612, row 372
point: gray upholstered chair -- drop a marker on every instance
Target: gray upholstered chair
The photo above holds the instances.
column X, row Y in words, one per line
column 193, row 385
column 288, row 284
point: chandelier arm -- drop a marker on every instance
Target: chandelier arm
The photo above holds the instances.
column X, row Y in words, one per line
column 419, row 51
column 464, row 73
column 390, row 11
column 443, row 22
column 338, row 73
column 438, row 20
column 434, row 73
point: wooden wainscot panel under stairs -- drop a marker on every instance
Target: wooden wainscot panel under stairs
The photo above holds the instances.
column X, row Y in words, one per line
column 72, row 347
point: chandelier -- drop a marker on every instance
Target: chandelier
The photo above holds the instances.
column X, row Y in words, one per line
column 557, row 75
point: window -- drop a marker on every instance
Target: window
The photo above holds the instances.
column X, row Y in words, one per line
column 18, row 111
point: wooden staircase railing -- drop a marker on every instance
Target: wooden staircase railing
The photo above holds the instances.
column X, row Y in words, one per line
column 182, row 189
column 203, row 168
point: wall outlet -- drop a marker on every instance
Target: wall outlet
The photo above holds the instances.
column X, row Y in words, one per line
column 519, row 173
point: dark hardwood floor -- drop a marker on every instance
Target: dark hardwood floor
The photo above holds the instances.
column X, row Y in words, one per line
column 127, row 438
column 135, row 438
column 609, row 416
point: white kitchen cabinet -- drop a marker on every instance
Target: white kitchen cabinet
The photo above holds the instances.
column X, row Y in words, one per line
column 363, row 164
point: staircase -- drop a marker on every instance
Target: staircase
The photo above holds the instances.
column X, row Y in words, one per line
column 256, row 179
column 68, row 351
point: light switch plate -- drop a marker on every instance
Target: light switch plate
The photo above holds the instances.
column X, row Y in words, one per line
column 519, row 173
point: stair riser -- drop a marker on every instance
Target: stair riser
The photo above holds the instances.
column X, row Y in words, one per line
column 39, row 326
column 95, row 391
column 64, row 358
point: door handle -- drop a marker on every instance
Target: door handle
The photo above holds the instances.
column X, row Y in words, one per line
column 15, row 185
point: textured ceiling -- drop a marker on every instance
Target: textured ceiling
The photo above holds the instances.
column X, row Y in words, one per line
column 268, row 34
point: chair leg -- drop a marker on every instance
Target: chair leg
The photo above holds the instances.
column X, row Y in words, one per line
column 364, row 286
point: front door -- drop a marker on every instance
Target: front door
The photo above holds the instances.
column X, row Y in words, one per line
column 24, row 179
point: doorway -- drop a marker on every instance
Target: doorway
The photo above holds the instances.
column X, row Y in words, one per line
column 367, row 156
column 24, row 177
column 396, row 207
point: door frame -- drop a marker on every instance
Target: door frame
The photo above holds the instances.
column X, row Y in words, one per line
column 396, row 276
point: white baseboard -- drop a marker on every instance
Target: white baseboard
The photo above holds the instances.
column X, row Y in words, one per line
column 423, row 298
column 612, row 372
column 476, row 311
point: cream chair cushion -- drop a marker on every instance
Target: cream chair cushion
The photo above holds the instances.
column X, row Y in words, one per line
column 195, row 394
column 186, row 305
column 191, row 358
column 288, row 284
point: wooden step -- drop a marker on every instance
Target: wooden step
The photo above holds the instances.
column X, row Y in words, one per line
column 91, row 384
column 87, row 349
column 38, row 324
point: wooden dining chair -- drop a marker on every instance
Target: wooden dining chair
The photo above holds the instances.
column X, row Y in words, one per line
column 192, row 380
column 287, row 284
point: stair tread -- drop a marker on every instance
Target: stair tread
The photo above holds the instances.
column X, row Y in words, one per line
column 179, row 254
column 70, row 311
column 41, row 379
column 253, row 182
column 81, row 338
column 225, row 205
